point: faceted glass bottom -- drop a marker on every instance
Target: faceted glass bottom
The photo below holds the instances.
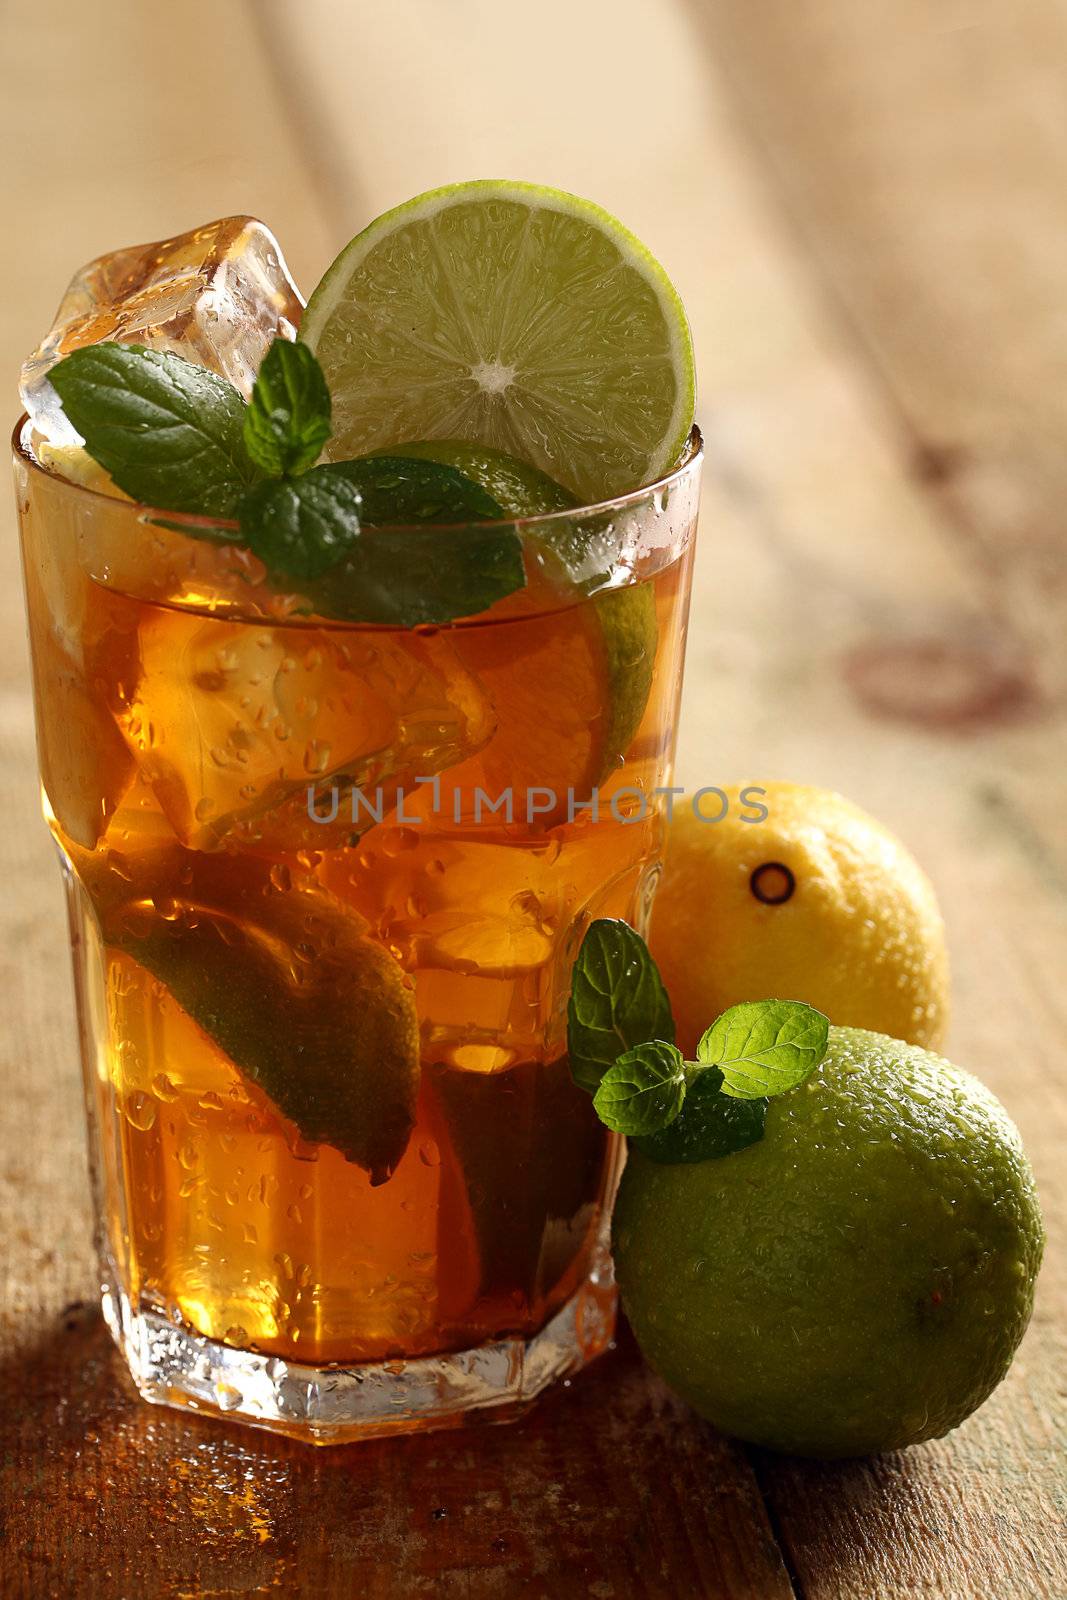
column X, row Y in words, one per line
column 495, row 1382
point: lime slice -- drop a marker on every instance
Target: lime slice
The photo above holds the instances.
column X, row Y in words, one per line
column 508, row 315
column 626, row 657
column 307, row 1007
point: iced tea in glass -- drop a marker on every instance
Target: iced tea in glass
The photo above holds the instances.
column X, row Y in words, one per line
column 326, row 885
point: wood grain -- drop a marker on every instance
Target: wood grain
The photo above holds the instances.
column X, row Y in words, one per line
column 871, row 612
column 104, row 1496
column 921, row 154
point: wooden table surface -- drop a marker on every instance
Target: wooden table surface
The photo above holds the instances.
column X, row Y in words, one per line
column 865, row 208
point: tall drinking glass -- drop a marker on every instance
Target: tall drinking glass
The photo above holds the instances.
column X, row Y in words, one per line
column 326, row 886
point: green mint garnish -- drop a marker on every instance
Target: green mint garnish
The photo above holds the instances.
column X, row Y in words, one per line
column 710, row 1125
column 301, row 527
column 418, row 577
column 765, row 1047
column 401, row 491
column 170, row 433
column 620, row 1033
column 644, row 1090
column 413, row 577
column 175, row 436
column 287, row 420
column 617, row 1001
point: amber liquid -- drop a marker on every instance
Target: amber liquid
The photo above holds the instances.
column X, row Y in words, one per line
column 177, row 746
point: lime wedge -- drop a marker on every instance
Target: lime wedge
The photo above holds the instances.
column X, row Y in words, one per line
column 628, row 619
column 307, row 1007
column 509, row 315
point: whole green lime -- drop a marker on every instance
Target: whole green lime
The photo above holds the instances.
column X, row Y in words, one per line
column 858, row 1280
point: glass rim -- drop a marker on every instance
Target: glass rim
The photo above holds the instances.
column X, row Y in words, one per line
column 177, row 521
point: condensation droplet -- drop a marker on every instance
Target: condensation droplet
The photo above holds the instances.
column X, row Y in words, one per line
column 396, row 840
column 141, row 1109
column 316, row 758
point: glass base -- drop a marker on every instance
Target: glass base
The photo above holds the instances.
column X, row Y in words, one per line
column 496, row 1382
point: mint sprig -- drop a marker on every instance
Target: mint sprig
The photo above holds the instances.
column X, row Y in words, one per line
column 287, row 421
column 175, row 436
column 617, row 1001
column 168, row 432
column 677, row 1110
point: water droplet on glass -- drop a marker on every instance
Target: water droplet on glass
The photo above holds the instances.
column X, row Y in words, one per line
column 396, row 840
column 141, row 1110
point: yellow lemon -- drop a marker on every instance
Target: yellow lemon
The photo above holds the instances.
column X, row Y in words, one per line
column 817, row 902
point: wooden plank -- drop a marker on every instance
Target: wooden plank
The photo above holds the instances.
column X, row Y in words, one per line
column 921, row 152
column 104, row 1497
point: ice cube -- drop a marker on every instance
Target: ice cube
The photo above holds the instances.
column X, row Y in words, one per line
column 231, row 723
column 218, row 295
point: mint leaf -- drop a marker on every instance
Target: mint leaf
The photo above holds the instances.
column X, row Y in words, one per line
column 710, row 1125
column 301, row 527
column 413, row 577
column 617, row 1001
column 398, row 491
column 170, row 433
column 402, row 576
column 287, row 421
column 644, row 1090
column 765, row 1047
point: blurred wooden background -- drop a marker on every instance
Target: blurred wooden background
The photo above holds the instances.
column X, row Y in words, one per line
column 865, row 209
